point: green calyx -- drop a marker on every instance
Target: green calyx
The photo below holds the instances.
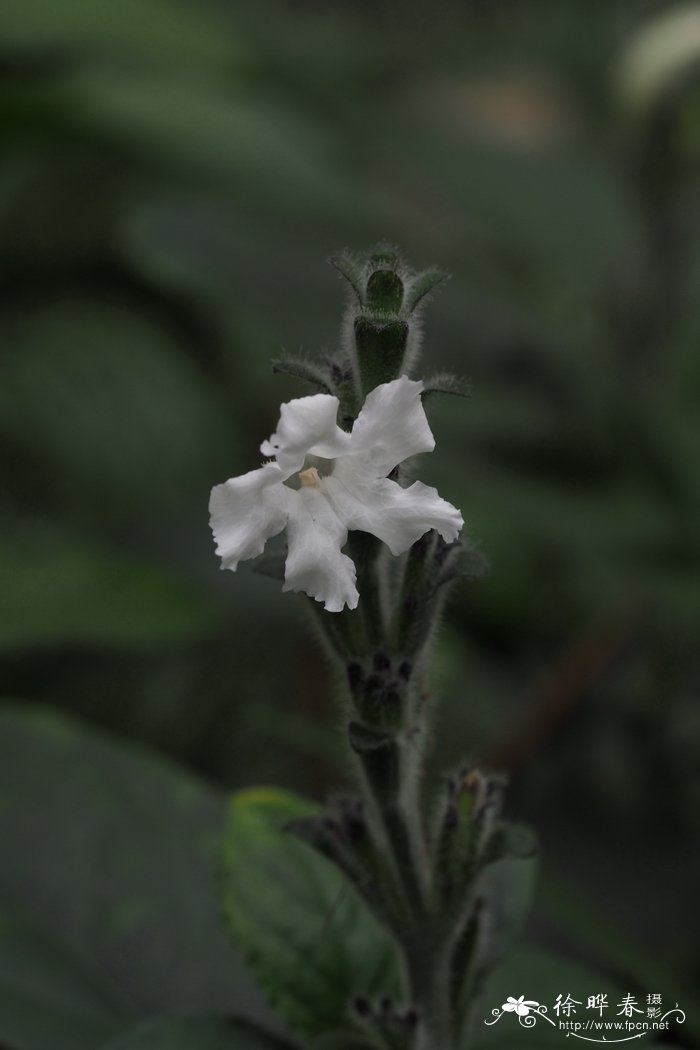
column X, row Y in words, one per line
column 382, row 313
column 380, row 337
column 380, row 348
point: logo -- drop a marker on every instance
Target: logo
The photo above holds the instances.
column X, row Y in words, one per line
column 598, row 1021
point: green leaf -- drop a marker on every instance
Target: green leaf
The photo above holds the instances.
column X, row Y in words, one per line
column 275, row 153
column 150, row 30
column 104, row 407
column 309, row 939
column 56, row 592
column 48, row 998
column 110, row 854
column 205, row 1033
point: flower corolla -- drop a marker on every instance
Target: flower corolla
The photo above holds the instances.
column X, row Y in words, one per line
column 321, row 481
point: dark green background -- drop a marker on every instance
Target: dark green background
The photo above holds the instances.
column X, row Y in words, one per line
column 173, row 177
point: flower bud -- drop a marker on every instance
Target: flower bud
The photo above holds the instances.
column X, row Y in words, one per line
column 384, row 292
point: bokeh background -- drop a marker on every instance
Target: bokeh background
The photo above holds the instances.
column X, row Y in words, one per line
column 174, row 175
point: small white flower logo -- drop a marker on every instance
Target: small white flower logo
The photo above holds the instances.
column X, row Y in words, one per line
column 521, row 1006
column 322, row 481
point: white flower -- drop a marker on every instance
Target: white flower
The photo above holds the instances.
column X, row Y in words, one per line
column 520, row 1006
column 323, row 481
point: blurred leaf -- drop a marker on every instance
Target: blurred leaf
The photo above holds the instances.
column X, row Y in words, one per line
column 197, row 1034
column 596, row 930
column 168, row 31
column 106, row 405
column 56, row 592
column 110, row 852
column 507, row 887
column 47, row 999
column 212, row 245
column 275, row 152
column 308, row 938
column 539, row 975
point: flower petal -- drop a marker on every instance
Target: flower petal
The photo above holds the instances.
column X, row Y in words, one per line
column 397, row 516
column 307, row 425
column 391, row 427
column 315, row 563
column 245, row 512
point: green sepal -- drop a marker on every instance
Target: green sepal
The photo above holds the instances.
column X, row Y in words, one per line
column 349, row 267
column 444, row 383
column 465, row 563
column 414, row 622
column 467, row 822
column 345, row 388
column 431, row 566
column 472, row 564
column 513, row 841
column 381, row 347
column 421, row 286
column 450, row 832
column 302, row 368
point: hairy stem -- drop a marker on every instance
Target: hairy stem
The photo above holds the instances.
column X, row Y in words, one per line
column 389, row 742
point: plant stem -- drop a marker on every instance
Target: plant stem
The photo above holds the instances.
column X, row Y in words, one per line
column 429, row 984
column 392, row 776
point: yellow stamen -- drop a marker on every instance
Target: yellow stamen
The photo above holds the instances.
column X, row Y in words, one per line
column 309, row 477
